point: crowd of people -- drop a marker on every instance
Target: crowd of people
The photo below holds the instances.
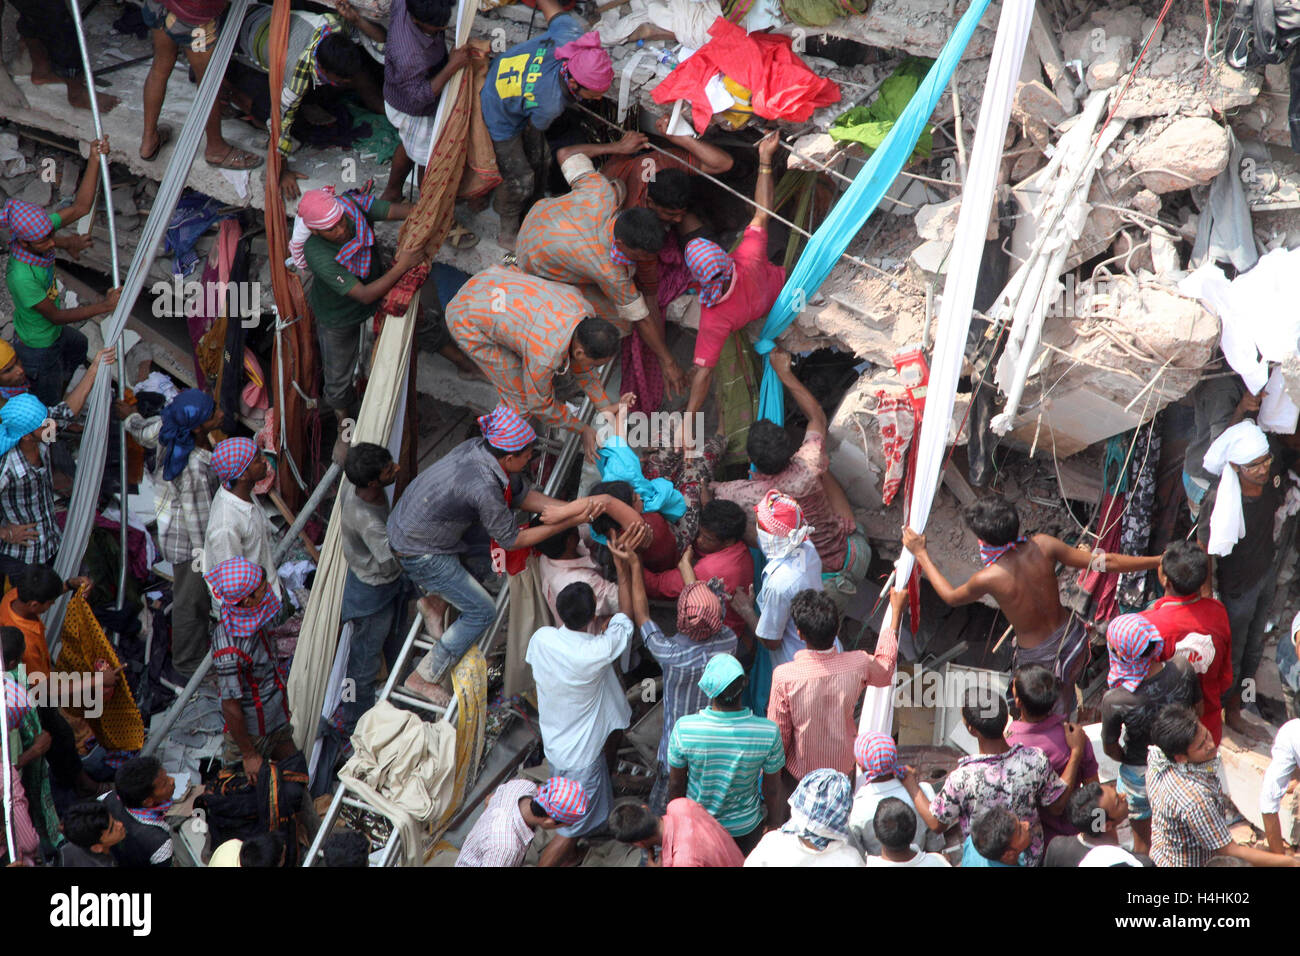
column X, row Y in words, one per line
column 732, row 593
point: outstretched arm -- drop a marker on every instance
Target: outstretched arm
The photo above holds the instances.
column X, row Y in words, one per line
column 811, row 408
column 968, row 593
column 764, row 191
column 85, row 199
column 1081, row 558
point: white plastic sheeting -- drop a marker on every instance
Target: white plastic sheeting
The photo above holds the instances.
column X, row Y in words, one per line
column 958, row 298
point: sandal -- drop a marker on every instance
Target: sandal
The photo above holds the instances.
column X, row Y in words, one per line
column 165, row 133
column 236, row 159
column 460, row 238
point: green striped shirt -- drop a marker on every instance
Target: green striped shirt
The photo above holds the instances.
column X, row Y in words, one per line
column 726, row 753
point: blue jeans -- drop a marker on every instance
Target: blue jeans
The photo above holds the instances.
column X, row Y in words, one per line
column 445, row 576
column 378, row 616
column 49, row 368
column 1248, row 615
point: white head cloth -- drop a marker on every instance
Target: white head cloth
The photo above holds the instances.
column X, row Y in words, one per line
column 1199, row 651
column 1239, row 445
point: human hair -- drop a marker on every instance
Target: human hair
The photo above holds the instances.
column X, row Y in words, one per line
column 84, row 823
column 731, row 693
column 769, row 447
column 639, row 229
column 985, row 711
column 38, row 584
column 816, row 618
column 1186, row 567
column 994, row 520
column 346, row 848
column 13, row 645
column 597, row 337
column 434, row 13
column 1081, row 809
column 537, row 810
column 895, row 824
column 604, row 524
column 366, row 461
column 992, row 832
column 338, row 55
column 633, row 822
column 576, row 605
column 1174, row 729
column 261, row 850
column 134, row 780
column 723, row 519
column 1036, row 689
column 555, row 546
column 670, row 188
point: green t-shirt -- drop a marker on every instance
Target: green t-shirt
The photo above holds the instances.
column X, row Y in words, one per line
column 328, row 297
column 29, row 286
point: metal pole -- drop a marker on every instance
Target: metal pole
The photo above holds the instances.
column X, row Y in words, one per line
column 173, row 715
column 304, row 515
column 107, row 185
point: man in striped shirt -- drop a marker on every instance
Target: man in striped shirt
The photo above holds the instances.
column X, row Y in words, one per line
column 717, row 757
column 813, row 696
column 513, row 815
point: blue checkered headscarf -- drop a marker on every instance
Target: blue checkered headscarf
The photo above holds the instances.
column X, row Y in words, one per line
column 819, row 808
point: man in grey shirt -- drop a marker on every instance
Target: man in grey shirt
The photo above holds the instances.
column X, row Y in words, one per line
column 470, row 493
column 376, row 591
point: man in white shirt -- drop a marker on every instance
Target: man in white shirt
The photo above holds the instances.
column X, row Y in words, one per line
column 1283, row 767
column 581, row 705
column 237, row 527
column 818, row 831
column 877, row 759
column 513, row 815
column 894, row 825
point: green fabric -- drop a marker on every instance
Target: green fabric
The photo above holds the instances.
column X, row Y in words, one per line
column 36, row 775
column 382, row 142
column 328, row 297
column 819, row 13
column 737, row 382
column 869, row 125
column 29, row 286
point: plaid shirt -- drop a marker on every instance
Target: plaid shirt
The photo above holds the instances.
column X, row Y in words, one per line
column 303, row 77
column 1188, row 822
column 27, row 497
column 500, row 837
column 184, row 506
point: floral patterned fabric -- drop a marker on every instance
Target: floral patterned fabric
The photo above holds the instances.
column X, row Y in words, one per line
column 1022, row 780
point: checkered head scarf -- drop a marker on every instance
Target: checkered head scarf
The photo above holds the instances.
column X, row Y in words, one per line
column 819, row 808
column 781, row 525
column 699, row 612
column 231, row 458
column 876, row 753
column 711, row 268
column 21, row 416
column 563, row 800
column 233, row 580
column 30, row 222
column 1128, row 637
column 505, row 429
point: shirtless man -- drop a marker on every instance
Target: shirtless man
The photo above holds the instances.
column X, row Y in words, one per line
column 1020, row 574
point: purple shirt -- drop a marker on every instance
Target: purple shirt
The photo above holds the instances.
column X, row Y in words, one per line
column 1048, row 735
column 411, row 59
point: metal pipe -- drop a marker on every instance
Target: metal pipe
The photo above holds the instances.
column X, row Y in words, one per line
column 305, row 513
column 107, row 184
column 173, row 715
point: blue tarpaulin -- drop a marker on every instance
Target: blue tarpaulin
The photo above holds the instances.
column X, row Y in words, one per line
column 857, row 204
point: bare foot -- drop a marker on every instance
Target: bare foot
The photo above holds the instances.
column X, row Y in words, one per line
column 506, row 240
column 1238, row 724
column 432, row 608
column 78, row 97
column 391, row 195
column 434, row 693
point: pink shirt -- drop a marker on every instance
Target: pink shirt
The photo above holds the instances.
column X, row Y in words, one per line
column 555, row 574
column 813, row 698
column 751, row 296
column 693, row 838
column 734, row 564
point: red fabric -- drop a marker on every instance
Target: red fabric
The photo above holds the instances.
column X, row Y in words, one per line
column 692, row 837
column 662, row 553
column 781, row 85
column 734, row 564
column 1104, row 587
column 897, row 420
column 1175, row 618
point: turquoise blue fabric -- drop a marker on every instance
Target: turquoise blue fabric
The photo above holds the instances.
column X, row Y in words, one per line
column 618, row 462
column 850, row 214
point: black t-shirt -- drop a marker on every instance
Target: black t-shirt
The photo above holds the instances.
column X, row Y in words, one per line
column 1131, row 713
column 1247, row 564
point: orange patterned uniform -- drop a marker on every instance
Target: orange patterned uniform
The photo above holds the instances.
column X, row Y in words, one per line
column 517, row 328
column 568, row 239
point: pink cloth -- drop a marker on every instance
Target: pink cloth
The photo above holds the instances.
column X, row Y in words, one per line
column 692, row 837
column 27, row 842
column 555, row 574
column 754, row 290
column 588, row 62
column 897, row 418
column 734, row 565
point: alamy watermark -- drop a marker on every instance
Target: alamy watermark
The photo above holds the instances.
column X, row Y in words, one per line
column 233, row 299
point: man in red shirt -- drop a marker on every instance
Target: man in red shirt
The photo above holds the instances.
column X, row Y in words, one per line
column 734, row 290
column 687, row 834
column 1182, row 611
column 813, row 696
